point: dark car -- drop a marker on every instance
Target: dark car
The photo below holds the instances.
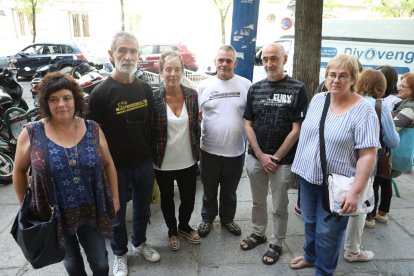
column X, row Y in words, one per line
column 150, row 56
column 39, row 54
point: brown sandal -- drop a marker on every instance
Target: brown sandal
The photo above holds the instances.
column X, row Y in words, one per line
column 299, row 263
column 174, row 243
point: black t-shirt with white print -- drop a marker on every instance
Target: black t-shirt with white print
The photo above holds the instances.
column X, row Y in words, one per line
column 273, row 107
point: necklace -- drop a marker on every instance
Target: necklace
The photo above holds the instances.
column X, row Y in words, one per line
column 73, row 162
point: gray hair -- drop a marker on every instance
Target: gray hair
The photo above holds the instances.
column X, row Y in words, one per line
column 122, row 35
column 227, row 48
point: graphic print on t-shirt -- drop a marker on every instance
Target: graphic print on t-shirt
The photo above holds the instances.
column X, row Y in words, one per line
column 123, row 106
column 278, row 99
column 217, row 95
column 134, row 112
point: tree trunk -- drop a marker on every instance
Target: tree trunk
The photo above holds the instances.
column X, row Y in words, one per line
column 34, row 22
column 308, row 36
column 223, row 29
column 122, row 16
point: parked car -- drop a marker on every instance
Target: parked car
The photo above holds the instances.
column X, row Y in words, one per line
column 150, row 56
column 39, row 54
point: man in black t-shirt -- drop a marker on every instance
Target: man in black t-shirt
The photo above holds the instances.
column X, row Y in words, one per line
column 121, row 105
column 274, row 112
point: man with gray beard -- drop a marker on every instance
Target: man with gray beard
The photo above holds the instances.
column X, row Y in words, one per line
column 121, row 105
column 274, row 112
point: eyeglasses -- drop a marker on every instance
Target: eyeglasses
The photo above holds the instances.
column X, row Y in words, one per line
column 341, row 77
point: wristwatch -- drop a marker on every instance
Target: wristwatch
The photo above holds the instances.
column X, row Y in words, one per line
column 276, row 161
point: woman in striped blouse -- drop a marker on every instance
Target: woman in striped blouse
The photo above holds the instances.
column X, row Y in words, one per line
column 351, row 141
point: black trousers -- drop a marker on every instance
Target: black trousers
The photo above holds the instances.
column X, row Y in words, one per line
column 385, row 198
column 186, row 182
column 224, row 172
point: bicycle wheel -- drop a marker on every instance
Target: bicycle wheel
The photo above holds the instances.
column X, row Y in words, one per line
column 6, row 168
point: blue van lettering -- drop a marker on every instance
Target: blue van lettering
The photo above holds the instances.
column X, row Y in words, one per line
column 370, row 53
column 381, row 54
column 409, row 57
column 348, row 51
column 390, row 55
column 399, row 55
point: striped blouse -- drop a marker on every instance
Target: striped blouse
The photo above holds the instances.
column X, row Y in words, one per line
column 358, row 128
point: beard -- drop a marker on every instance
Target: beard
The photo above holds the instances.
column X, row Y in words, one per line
column 130, row 69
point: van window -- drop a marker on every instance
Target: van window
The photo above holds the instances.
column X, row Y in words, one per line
column 148, row 50
column 287, row 44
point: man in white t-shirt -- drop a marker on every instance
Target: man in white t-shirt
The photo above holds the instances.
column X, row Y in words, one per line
column 222, row 100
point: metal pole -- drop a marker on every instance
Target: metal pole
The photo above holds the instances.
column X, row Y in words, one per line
column 243, row 35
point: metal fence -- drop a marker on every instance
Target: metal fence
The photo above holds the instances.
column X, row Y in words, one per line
column 190, row 79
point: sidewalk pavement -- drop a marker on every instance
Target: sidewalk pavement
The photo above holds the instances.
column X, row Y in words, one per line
column 220, row 254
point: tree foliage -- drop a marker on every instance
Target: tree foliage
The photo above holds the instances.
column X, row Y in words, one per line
column 223, row 7
column 330, row 5
column 30, row 8
column 395, row 8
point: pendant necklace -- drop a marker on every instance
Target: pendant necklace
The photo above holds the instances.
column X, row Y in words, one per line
column 73, row 162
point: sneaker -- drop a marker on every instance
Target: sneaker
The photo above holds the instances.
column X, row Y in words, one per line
column 120, row 265
column 204, row 228
column 370, row 223
column 383, row 218
column 149, row 253
column 363, row 256
column 233, row 228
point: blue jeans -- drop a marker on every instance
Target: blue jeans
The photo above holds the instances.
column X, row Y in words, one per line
column 323, row 239
column 94, row 246
column 141, row 178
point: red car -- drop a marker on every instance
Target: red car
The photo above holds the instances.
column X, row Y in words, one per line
column 150, row 56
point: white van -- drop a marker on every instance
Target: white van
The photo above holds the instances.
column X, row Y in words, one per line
column 374, row 42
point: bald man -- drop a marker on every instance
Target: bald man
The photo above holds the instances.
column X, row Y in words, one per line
column 274, row 112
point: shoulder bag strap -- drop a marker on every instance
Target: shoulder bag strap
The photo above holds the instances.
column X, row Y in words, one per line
column 47, row 168
column 325, row 190
column 378, row 107
column 322, row 139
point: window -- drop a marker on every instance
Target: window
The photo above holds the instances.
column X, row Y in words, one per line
column 132, row 22
column 33, row 50
column 165, row 48
column 22, row 23
column 80, row 25
column 67, row 49
column 147, row 50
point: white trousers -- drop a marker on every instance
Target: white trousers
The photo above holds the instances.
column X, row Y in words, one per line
column 353, row 233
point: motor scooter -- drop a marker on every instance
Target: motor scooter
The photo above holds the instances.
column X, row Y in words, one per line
column 11, row 123
column 10, row 85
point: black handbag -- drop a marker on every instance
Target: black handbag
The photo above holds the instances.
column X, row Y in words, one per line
column 384, row 163
column 36, row 237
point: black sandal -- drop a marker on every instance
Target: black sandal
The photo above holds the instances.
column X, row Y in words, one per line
column 274, row 252
column 250, row 244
